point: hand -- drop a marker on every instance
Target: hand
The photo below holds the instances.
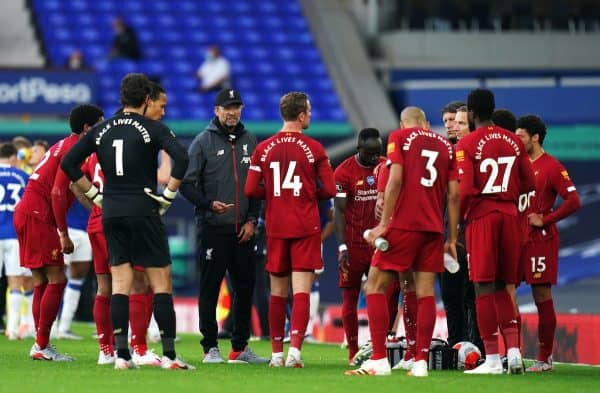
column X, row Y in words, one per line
column 94, row 195
column 221, row 207
column 378, row 208
column 450, row 248
column 246, row 232
column 376, row 232
column 164, row 200
column 66, row 244
column 343, row 261
column 535, row 220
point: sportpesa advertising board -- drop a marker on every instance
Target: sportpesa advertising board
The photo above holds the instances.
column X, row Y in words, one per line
column 44, row 92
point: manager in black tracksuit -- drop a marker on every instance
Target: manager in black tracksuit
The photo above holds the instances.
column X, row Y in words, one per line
column 226, row 218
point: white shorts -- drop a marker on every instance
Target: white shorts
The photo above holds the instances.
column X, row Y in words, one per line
column 83, row 247
column 9, row 257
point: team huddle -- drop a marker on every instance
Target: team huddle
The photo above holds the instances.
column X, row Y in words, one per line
column 492, row 186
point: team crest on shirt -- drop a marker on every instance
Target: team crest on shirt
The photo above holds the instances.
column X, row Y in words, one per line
column 338, row 187
column 565, row 174
column 460, row 155
column 370, row 180
column 54, row 253
column 391, row 147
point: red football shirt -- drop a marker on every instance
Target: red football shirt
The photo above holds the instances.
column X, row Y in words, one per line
column 358, row 185
column 290, row 164
column 382, row 173
column 36, row 201
column 428, row 164
column 92, row 170
column 494, row 170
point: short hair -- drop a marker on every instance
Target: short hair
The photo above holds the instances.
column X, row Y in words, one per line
column 7, row 150
column 84, row 114
column 452, row 107
column 505, row 119
column 43, row 143
column 135, row 87
column 292, row 104
column 368, row 133
column 482, row 103
column 533, row 125
column 462, row 109
column 156, row 90
column 21, row 142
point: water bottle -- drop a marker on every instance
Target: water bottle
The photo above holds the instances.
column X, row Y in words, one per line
column 380, row 243
column 450, row 263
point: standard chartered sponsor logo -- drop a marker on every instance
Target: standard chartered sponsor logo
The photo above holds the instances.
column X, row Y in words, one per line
column 29, row 90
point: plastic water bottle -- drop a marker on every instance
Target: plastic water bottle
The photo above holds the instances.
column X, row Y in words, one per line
column 450, row 263
column 380, row 243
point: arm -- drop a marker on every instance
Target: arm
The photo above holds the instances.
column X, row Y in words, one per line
column 327, row 230
column 177, row 152
column 60, row 201
column 164, row 170
column 466, row 177
column 81, row 196
column 564, row 186
column 254, row 187
column 193, row 176
column 382, row 178
column 326, row 179
column 453, row 210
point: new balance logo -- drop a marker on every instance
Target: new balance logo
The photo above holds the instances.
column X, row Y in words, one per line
column 209, row 254
column 220, row 152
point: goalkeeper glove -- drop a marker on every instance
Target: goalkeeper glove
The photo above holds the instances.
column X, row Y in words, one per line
column 94, row 195
column 164, row 200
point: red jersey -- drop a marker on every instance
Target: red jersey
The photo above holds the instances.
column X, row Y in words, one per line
column 382, row 173
column 494, row 170
column 37, row 198
column 551, row 179
column 428, row 164
column 358, row 185
column 92, row 170
column 291, row 164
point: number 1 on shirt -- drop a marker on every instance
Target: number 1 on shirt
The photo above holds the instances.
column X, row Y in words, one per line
column 118, row 145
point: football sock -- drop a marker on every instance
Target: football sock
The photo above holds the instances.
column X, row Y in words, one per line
column 409, row 317
column 507, row 320
column 48, row 310
column 164, row 312
column 487, row 322
column 28, row 318
column 425, row 325
column 38, row 293
column 138, row 313
column 299, row 321
column 277, row 322
column 546, row 328
column 350, row 318
column 519, row 329
column 103, row 323
column 15, row 299
column 392, row 293
column 70, row 302
column 377, row 311
column 119, row 315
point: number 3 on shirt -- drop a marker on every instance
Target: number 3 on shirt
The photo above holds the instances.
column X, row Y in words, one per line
column 290, row 181
column 431, row 156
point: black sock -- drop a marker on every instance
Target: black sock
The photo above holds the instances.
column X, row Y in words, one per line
column 164, row 313
column 119, row 314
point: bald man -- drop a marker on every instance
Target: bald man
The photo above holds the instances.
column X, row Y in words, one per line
column 422, row 169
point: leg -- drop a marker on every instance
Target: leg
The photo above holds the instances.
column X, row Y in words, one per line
column 301, row 284
column 78, row 270
column 426, row 313
column 377, row 310
column 102, row 316
column 261, row 295
column 27, row 328
column 50, row 303
column 409, row 316
column 164, row 312
column 392, row 294
column 138, row 310
column 279, row 293
column 14, row 300
column 542, row 295
column 40, row 283
column 350, row 318
column 452, row 290
column 241, row 273
column 122, row 278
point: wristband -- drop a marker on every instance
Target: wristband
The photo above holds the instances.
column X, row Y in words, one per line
column 92, row 192
column 169, row 194
column 342, row 247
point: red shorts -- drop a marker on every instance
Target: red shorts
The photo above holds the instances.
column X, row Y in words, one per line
column 494, row 248
column 411, row 250
column 360, row 261
column 99, row 253
column 300, row 254
column 39, row 244
column 540, row 261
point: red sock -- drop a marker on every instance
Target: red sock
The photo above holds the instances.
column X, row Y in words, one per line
column 546, row 328
column 48, row 311
column 150, row 304
column 425, row 325
column 409, row 317
column 103, row 324
column 378, row 323
column 507, row 320
column 487, row 322
column 519, row 329
column 138, row 319
column 299, row 320
column 392, row 293
column 277, row 322
column 38, row 293
column 350, row 318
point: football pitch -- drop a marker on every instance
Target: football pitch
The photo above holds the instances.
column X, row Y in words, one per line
column 324, row 372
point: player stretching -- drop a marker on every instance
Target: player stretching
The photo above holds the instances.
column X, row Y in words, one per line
column 296, row 174
column 494, row 170
column 540, row 256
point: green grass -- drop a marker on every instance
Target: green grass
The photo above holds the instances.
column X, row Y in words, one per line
column 324, row 372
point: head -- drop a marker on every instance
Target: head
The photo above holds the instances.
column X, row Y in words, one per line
column 158, row 102
column 532, row 131
column 135, row 91
column 228, row 108
column 295, row 107
column 461, row 124
column 213, row 52
column 505, row 119
column 481, row 105
column 83, row 117
column 448, row 114
column 8, row 154
column 118, row 24
column 413, row 116
column 39, row 148
column 23, row 146
column 369, row 146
